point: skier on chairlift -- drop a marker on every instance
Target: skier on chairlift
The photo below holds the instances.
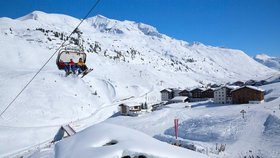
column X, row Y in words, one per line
column 64, row 65
column 66, row 60
column 72, row 66
column 81, row 66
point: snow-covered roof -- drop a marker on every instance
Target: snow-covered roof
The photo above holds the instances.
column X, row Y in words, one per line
column 97, row 140
column 256, row 88
column 227, row 86
column 130, row 104
column 179, row 98
column 251, row 87
column 200, row 88
column 176, row 90
column 167, row 89
column 214, row 88
column 232, row 87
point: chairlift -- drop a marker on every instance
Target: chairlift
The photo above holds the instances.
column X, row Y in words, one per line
column 66, row 54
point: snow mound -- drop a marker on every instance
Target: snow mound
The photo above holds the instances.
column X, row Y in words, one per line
column 209, row 129
column 272, row 126
column 271, row 91
column 107, row 140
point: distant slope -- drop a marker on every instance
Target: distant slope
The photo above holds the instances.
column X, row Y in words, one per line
column 271, row 62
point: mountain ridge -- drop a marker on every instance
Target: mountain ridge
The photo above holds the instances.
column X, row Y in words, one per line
column 136, row 43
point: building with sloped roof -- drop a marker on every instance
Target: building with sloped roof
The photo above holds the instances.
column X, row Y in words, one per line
column 247, row 94
column 222, row 95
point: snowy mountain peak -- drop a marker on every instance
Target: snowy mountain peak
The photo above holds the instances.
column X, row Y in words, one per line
column 149, row 30
column 105, row 24
column 60, row 21
column 195, row 43
column 98, row 19
column 35, row 15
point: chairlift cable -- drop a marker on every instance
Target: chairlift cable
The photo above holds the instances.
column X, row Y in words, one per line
column 92, row 8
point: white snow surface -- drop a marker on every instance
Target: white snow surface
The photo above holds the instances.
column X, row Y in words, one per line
column 271, row 62
column 93, row 140
column 206, row 124
column 132, row 64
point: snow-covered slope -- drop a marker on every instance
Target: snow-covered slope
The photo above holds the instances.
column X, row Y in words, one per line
column 131, row 43
column 271, row 62
column 208, row 125
column 97, row 141
column 130, row 60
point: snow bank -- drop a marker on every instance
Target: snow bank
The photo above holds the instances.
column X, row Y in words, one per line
column 272, row 126
column 107, row 141
column 209, row 129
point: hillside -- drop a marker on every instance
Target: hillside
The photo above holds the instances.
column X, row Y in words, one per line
column 128, row 43
column 130, row 60
column 271, row 62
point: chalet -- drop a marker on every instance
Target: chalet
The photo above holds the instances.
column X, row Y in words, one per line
column 247, row 94
column 131, row 109
column 197, row 93
column 238, row 83
column 169, row 93
column 166, row 94
column 222, row 95
column 185, row 92
column 178, row 99
column 208, row 93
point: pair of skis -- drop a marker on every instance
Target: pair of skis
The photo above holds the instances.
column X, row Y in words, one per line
column 84, row 73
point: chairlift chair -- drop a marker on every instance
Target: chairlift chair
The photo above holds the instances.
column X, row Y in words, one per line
column 69, row 53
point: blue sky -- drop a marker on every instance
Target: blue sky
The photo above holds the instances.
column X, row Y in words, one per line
column 249, row 25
